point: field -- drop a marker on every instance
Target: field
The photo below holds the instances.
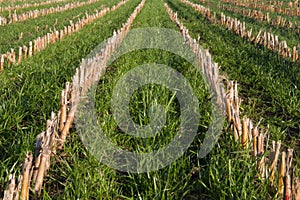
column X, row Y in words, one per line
column 149, row 99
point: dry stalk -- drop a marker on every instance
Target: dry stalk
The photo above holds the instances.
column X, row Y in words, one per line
column 69, row 120
column 245, row 133
column 288, row 180
column 255, row 142
column 11, row 191
column 63, row 110
column 26, row 176
column 273, row 165
column 2, row 62
column 282, row 173
column 20, row 55
column 296, row 188
column 45, row 156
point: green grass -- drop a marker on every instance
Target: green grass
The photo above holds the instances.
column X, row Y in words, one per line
column 272, row 15
column 40, row 7
column 10, row 34
column 5, row 3
column 291, row 37
column 214, row 4
column 30, row 91
column 226, row 173
column 268, row 83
